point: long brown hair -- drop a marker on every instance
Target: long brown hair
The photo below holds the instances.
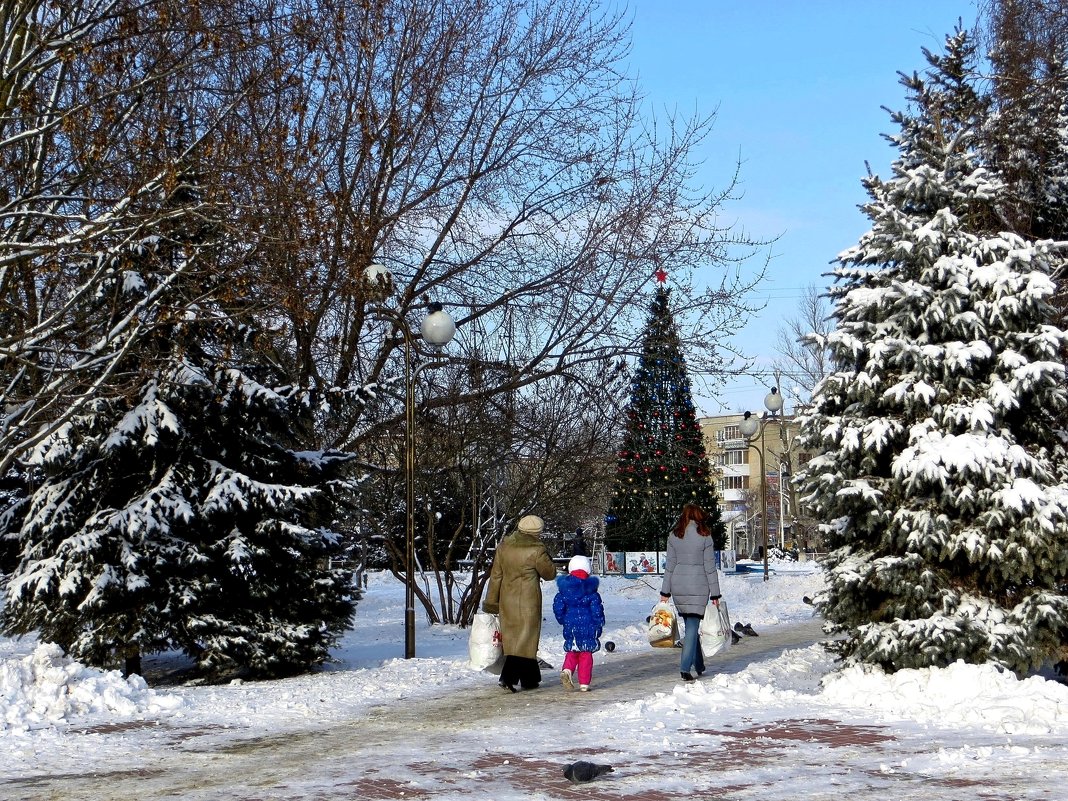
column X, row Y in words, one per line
column 691, row 511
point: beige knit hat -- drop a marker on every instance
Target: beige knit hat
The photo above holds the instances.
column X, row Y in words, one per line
column 531, row 524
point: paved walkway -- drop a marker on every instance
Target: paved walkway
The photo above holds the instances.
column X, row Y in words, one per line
column 440, row 749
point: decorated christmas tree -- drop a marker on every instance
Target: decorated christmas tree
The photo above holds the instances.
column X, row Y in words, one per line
column 662, row 462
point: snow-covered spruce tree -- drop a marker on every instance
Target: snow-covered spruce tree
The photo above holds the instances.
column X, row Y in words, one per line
column 662, row 463
column 184, row 519
column 273, row 602
column 179, row 508
column 941, row 474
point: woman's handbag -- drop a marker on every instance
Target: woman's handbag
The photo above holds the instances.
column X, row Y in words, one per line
column 715, row 629
column 484, row 646
column 663, row 628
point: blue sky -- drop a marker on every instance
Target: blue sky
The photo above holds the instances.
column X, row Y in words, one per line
column 798, row 89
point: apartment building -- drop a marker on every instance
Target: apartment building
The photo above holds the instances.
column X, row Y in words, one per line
column 737, row 461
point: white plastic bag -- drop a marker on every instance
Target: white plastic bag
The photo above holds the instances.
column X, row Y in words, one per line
column 715, row 630
column 663, row 628
column 484, row 646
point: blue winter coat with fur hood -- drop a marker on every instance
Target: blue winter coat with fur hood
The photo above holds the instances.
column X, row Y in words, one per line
column 578, row 608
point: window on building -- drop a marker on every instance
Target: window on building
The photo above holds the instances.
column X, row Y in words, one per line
column 734, row 457
column 733, row 483
column 730, row 432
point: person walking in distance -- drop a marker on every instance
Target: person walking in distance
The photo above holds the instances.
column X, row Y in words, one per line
column 690, row 578
column 579, row 609
column 514, row 593
column 579, row 546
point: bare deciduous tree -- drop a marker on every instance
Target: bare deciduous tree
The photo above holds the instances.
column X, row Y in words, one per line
column 803, row 359
column 548, row 450
column 92, row 93
column 1027, row 43
column 493, row 155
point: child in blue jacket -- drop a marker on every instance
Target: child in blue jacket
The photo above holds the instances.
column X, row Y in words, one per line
column 579, row 609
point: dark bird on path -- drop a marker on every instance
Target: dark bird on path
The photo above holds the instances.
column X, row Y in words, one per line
column 581, row 771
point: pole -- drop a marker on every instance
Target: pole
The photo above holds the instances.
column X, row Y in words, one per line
column 764, row 497
column 409, row 497
column 440, row 332
column 782, row 511
column 749, row 431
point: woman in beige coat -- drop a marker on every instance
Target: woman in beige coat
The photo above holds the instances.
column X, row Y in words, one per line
column 514, row 593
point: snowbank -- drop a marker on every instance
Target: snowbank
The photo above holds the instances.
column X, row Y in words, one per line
column 977, row 696
column 46, row 689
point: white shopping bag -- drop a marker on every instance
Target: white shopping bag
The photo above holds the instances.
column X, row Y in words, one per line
column 484, row 646
column 715, row 630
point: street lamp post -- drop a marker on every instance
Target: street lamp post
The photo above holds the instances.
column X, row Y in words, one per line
column 784, row 504
column 750, row 427
column 437, row 330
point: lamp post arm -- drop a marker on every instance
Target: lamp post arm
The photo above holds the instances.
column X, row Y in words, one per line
column 425, row 365
column 396, row 318
column 411, row 339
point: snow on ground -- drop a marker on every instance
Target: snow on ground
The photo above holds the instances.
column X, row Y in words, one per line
column 48, row 703
column 44, row 688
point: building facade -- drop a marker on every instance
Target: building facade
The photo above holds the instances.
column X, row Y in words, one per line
column 738, row 462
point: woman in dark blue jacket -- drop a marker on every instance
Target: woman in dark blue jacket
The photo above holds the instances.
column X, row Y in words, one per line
column 579, row 609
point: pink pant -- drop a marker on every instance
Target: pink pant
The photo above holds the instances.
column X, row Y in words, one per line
column 584, row 662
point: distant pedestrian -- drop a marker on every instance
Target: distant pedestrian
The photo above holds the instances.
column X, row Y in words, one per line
column 690, row 578
column 579, row 548
column 579, row 609
column 514, row 593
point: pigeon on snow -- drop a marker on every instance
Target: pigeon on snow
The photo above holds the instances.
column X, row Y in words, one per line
column 582, row 771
